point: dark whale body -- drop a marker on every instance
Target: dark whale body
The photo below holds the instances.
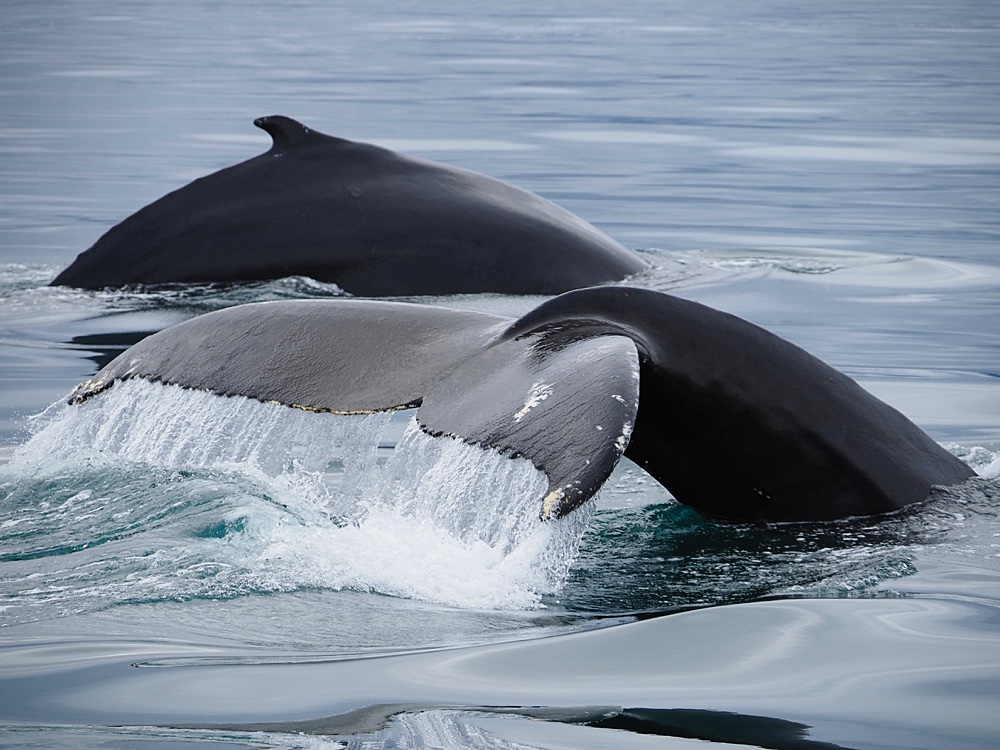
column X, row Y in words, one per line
column 733, row 420
column 374, row 222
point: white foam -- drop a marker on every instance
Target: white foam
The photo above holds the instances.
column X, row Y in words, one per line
column 985, row 462
column 432, row 518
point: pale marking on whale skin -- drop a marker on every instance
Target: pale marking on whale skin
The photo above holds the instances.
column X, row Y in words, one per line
column 551, row 503
column 538, row 393
column 621, row 442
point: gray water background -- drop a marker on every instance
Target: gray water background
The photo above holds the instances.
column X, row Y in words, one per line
column 828, row 172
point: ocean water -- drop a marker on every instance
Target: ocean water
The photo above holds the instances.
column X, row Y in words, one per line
column 179, row 569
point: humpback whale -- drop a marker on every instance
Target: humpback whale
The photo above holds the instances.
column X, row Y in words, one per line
column 733, row 420
column 375, row 222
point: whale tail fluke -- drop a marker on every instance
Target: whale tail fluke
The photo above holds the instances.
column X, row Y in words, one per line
column 734, row 421
column 569, row 408
column 566, row 406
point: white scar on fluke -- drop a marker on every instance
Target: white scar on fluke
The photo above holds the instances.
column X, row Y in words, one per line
column 621, row 442
column 538, row 393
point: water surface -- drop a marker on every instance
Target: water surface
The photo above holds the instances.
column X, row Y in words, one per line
column 179, row 569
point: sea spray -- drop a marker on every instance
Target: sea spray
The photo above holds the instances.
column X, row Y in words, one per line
column 288, row 499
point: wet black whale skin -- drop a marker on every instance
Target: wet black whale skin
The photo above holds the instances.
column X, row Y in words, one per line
column 733, row 420
column 375, row 222
column 744, row 425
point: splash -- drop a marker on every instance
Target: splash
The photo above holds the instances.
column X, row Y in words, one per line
column 250, row 497
column 152, row 493
column 985, row 462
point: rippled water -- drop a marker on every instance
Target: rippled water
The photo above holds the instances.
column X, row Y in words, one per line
column 829, row 173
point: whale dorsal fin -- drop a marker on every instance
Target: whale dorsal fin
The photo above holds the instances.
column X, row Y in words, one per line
column 288, row 133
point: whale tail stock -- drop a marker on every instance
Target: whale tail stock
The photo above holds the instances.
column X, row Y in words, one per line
column 733, row 420
column 744, row 425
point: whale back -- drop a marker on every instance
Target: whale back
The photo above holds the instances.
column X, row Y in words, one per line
column 373, row 221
